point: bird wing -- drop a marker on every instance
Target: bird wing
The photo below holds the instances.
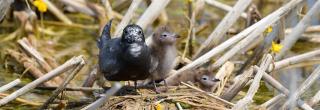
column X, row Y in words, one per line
column 108, row 58
column 154, row 64
column 105, row 35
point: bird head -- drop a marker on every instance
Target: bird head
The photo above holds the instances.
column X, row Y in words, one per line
column 132, row 34
column 163, row 36
column 208, row 81
column 133, row 41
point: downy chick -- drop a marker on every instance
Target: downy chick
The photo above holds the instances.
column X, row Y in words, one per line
column 206, row 80
column 201, row 77
column 163, row 53
column 125, row 58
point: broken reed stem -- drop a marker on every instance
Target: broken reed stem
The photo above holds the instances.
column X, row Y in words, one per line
column 127, row 17
column 241, row 104
column 64, row 67
column 222, row 28
column 236, row 87
column 23, row 101
column 96, row 104
column 210, row 95
column 298, row 30
column 266, row 21
column 224, row 7
column 10, row 85
column 303, row 87
column 63, row 84
column 293, row 60
column 57, row 12
column 315, row 99
column 29, row 64
column 223, row 75
column 24, row 43
column 91, row 77
column 152, row 12
column 278, row 86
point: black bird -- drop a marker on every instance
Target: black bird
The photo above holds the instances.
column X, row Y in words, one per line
column 125, row 58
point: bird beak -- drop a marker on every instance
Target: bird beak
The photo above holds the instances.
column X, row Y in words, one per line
column 177, row 36
column 215, row 80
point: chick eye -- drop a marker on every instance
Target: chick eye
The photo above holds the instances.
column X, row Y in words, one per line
column 204, row 78
column 164, row 35
column 140, row 32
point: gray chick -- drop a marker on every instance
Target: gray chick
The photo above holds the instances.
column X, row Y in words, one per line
column 163, row 54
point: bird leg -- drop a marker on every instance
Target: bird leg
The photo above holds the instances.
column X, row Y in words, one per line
column 129, row 83
column 165, row 84
column 155, row 86
column 135, row 85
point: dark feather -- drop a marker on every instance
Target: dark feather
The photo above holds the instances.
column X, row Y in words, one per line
column 105, row 35
column 125, row 58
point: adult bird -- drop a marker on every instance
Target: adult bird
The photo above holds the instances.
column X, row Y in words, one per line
column 125, row 58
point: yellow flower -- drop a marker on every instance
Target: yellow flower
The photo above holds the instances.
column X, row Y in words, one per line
column 42, row 7
column 159, row 106
column 268, row 30
column 276, row 48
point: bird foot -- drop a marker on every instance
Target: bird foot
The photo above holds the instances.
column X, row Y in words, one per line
column 160, row 90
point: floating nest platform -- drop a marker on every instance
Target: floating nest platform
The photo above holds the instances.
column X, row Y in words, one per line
column 148, row 100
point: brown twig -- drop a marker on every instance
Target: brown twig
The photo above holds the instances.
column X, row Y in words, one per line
column 234, row 89
column 64, row 84
column 210, row 95
column 64, row 67
column 28, row 63
column 24, row 43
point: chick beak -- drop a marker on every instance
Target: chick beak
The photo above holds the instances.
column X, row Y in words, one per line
column 215, row 80
column 176, row 36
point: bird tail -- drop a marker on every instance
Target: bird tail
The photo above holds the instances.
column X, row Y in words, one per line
column 105, row 35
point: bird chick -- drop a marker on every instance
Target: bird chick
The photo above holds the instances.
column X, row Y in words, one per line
column 201, row 77
column 163, row 54
column 125, row 58
column 206, row 80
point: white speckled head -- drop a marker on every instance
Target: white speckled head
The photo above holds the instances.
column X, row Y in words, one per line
column 133, row 34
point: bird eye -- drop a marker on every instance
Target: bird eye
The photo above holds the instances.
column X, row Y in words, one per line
column 140, row 32
column 164, row 35
column 204, row 78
